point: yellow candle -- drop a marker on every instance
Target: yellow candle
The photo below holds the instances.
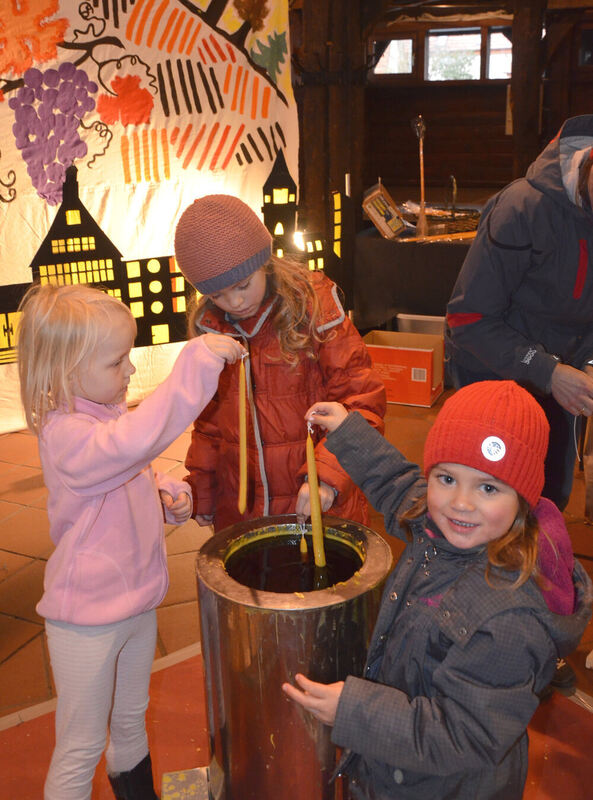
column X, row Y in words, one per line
column 316, row 526
column 303, row 545
column 242, row 499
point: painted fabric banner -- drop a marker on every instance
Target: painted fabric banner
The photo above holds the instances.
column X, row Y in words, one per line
column 156, row 103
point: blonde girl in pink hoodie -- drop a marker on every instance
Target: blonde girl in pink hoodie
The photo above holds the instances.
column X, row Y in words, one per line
column 106, row 506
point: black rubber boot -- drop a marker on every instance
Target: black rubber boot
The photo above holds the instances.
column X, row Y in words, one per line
column 135, row 784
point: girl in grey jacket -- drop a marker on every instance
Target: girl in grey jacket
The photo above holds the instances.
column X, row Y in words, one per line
column 483, row 600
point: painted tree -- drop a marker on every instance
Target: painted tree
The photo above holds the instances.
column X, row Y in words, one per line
column 253, row 12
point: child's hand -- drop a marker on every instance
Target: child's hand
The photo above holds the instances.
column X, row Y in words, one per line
column 180, row 508
column 303, row 503
column 321, row 699
column 326, row 415
column 224, row 346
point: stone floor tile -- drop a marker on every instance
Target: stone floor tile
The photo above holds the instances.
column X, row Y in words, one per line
column 178, row 626
column 185, row 538
column 25, row 678
column 20, row 448
column 182, row 579
column 20, row 593
column 27, row 532
column 15, row 633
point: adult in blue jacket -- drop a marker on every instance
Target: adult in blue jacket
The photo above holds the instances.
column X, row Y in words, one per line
column 522, row 306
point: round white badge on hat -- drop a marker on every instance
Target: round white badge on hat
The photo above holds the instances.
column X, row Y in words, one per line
column 493, row 448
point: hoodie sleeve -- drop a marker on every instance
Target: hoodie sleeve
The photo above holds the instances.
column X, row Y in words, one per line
column 494, row 268
column 94, row 458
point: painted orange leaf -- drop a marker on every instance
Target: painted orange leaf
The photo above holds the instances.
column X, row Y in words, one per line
column 131, row 106
column 28, row 34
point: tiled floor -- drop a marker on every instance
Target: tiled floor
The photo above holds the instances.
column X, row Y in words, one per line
column 25, row 676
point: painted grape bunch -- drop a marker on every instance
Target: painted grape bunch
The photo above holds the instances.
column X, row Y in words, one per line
column 48, row 109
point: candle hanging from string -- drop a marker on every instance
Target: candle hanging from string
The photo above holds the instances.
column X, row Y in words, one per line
column 242, row 498
column 316, row 523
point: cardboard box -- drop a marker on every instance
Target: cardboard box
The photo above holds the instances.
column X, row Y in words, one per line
column 382, row 211
column 421, row 323
column 410, row 365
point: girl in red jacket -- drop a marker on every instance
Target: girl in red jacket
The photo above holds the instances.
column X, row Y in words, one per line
column 301, row 346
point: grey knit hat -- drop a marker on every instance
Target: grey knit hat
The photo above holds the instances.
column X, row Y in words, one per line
column 220, row 241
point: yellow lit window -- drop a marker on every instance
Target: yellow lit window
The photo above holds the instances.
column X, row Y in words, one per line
column 58, row 246
column 155, row 287
column 280, row 197
column 137, row 309
column 292, row 197
column 135, row 289
column 157, row 307
column 280, row 252
column 160, row 334
column 338, row 249
column 73, row 216
column 279, row 229
column 133, row 269
column 337, row 201
column 179, row 304
column 153, row 265
column 177, row 284
column 267, row 198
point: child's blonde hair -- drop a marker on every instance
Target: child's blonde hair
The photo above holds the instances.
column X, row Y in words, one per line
column 295, row 316
column 59, row 328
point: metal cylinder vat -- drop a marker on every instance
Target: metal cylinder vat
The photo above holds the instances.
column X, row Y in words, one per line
column 263, row 746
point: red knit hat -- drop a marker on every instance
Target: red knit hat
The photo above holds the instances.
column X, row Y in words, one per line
column 220, row 241
column 496, row 427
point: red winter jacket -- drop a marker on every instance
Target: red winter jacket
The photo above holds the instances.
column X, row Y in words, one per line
column 279, row 396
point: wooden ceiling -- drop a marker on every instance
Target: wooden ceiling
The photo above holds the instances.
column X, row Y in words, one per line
column 390, row 10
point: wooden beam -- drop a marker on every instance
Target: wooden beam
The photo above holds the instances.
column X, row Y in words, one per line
column 526, row 82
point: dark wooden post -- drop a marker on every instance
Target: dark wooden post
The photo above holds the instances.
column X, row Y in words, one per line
column 328, row 76
column 526, row 82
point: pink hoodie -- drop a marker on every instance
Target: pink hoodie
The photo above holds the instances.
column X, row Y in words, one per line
column 105, row 513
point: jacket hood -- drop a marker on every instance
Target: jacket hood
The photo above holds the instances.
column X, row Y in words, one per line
column 567, row 591
column 555, row 558
column 555, row 171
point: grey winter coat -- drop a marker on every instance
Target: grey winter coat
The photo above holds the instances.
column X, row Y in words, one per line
column 524, row 295
column 454, row 666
